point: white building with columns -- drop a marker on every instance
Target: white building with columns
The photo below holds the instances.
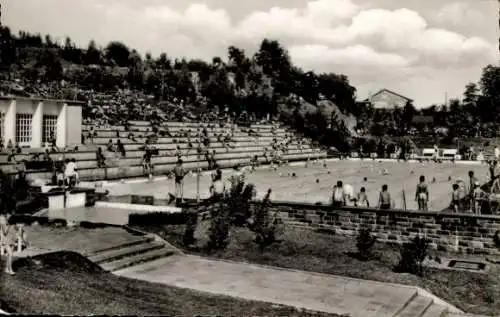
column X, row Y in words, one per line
column 30, row 122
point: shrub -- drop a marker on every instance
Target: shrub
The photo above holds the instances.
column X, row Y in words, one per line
column 265, row 227
column 220, row 223
column 238, row 202
column 191, row 223
column 364, row 243
column 413, row 255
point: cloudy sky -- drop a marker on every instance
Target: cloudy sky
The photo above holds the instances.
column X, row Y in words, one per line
column 422, row 49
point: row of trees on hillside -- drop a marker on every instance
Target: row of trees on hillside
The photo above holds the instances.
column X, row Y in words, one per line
column 242, row 82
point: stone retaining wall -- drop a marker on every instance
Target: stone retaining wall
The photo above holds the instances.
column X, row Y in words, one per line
column 465, row 233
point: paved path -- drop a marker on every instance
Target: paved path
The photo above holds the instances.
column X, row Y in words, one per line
column 318, row 292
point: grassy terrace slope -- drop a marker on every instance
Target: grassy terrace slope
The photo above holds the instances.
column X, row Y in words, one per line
column 65, row 283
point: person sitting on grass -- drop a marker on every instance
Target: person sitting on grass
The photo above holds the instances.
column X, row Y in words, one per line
column 384, row 200
column 422, row 194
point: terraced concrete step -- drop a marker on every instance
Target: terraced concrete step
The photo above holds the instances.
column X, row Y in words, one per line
column 137, row 259
column 117, row 254
column 134, row 241
column 435, row 311
column 416, row 307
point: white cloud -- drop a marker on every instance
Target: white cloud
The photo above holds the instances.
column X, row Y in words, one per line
column 357, row 56
column 325, row 35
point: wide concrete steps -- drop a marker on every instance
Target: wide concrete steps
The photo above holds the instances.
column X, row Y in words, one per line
column 420, row 306
column 137, row 252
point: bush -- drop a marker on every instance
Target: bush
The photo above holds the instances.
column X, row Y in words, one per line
column 364, row 243
column 263, row 225
column 238, row 202
column 191, row 223
column 220, row 223
column 413, row 255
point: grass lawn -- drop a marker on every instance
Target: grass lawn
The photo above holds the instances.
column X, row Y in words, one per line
column 326, row 253
column 65, row 283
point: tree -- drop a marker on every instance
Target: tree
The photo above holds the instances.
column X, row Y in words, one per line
column 50, row 62
column 92, row 56
column 265, row 226
column 118, row 53
column 135, row 76
column 364, row 243
column 275, row 62
column 408, row 114
column 220, row 224
column 489, row 101
column 413, row 255
column 471, row 94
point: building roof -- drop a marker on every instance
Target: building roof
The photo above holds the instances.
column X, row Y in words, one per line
column 69, row 102
column 389, row 91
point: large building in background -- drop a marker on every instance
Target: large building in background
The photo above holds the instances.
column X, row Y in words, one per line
column 30, row 122
column 386, row 99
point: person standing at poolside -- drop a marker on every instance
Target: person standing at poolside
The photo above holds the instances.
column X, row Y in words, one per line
column 384, row 200
column 422, row 194
column 179, row 173
column 455, row 198
column 338, row 195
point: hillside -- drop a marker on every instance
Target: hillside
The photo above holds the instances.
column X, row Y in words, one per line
column 116, row 79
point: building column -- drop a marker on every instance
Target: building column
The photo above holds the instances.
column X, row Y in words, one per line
column 10, row 123
column 37, row 126
column 62, row 124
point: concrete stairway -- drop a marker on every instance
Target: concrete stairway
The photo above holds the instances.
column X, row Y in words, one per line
column 139, row 251
column 420, row 306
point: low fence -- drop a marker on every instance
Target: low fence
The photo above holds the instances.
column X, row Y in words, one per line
column 467, row 233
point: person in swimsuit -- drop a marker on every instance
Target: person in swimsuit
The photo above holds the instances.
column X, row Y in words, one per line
column 479, row 197
column 384, row 200
column 362, row 200
column 338, row 195
column 179, row 174
column 422, row 194
column 7, row 242
column 455, row 198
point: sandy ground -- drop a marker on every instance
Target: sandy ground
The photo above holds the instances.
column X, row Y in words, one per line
column 314, row 183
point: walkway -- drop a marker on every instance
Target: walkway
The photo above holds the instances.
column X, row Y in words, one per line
column 318, row 292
